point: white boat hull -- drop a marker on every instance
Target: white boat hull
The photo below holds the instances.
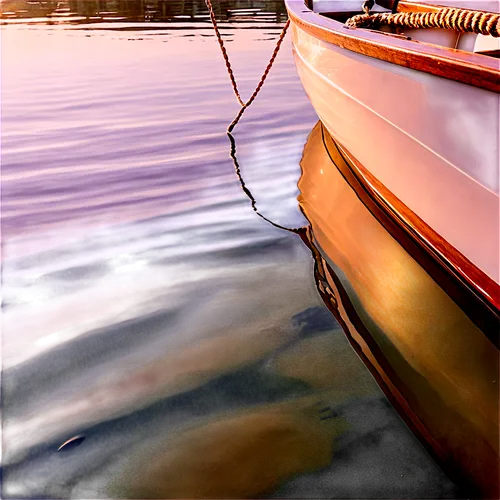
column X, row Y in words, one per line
column 435, row 365
column 431, row 141
column 403, row 202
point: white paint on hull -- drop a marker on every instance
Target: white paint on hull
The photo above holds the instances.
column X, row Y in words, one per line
column 433, row 142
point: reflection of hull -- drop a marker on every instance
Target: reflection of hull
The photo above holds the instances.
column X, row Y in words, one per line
column 437, row 367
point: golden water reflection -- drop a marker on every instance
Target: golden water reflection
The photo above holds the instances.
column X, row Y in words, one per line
column 440, row 368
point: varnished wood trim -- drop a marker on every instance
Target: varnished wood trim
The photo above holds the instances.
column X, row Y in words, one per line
column 469, row 287
column 465, row 67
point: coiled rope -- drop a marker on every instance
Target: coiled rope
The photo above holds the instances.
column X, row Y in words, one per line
column 465, row 21
column 244, row 105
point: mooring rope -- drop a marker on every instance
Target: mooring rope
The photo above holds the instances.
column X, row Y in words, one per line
column 244, row 105
column 295, row 230
column 462, row 20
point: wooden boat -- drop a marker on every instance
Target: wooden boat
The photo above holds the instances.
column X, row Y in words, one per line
column 404, row 210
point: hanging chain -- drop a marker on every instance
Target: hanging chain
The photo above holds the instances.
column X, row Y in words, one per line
column 244, row 105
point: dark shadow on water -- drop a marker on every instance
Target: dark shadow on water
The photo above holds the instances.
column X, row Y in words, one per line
column 311, row 325
column 379, row 458
column 83, row 467
column 30, row 380
column 314, row 321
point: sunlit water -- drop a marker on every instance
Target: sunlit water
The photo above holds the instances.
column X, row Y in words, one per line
column 146, row 306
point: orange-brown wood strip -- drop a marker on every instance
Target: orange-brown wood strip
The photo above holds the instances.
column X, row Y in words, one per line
column 469, row 68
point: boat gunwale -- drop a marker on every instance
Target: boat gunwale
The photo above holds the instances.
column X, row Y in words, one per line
column 469, row 68
column 469, row 287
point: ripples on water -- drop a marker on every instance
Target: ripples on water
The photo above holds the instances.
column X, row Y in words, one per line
column 145, row 305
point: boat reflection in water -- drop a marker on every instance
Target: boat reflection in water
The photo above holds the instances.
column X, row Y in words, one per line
column 436, row 366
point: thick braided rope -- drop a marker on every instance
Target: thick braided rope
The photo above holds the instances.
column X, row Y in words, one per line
column 262, row 79
column 224, row 52
column 465, row 21
column 225, row 55
column 244, row 105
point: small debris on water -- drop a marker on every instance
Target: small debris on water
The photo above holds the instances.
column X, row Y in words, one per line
column 68, row 441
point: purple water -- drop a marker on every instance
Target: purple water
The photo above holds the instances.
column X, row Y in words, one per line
column 146, row 306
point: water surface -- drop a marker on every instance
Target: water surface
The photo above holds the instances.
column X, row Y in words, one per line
column 146, row 306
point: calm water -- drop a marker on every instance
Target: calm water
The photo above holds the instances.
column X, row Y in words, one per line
column 146, row 306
